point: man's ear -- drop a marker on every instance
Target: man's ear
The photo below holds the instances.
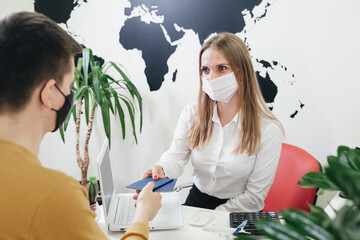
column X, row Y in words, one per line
column 46, row 93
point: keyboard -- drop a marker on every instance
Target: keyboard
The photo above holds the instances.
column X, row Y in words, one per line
column 125, row 210
column 236, row 218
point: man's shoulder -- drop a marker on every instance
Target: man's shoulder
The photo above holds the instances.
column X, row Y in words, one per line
column 59, row 180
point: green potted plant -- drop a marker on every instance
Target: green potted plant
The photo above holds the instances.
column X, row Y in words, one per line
column 92, row 189
column 341, row 174
column 95, row 89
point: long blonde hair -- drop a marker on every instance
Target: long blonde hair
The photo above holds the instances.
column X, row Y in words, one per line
column 250, row 100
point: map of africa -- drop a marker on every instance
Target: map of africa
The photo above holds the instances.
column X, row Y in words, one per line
column 155, row 28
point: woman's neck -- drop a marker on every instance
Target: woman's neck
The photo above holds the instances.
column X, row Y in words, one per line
column 227, row 111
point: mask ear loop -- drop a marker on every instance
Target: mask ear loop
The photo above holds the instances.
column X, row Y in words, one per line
column 41, row 93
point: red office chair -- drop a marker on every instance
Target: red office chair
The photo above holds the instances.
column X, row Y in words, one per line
column 285, row 193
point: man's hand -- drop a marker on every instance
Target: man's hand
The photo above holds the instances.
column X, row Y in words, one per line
column 148, row 204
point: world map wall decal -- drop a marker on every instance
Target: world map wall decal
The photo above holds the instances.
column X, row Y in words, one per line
column 157, row 27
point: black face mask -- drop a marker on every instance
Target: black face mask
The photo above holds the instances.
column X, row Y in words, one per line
column 62, row 113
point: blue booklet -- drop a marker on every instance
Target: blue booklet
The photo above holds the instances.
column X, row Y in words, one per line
column 161, row 185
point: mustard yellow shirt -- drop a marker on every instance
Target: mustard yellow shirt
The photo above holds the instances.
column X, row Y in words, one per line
column 137, row 231
column 40, row 203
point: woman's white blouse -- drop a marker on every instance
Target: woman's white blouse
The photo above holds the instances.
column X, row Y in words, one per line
column 218, row 172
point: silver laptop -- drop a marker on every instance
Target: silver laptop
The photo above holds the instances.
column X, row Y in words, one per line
column 119, row 208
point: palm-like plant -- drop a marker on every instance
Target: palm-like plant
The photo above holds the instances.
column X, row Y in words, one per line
column 342, row 174
column 94, row 89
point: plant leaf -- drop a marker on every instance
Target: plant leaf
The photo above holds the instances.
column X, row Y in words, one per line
column 347, row 180
column 320, row 216
column 112, row 80
column 318, row 213
column 61, row 131
column 343, row 155
column 133, row 90
column 96, row 84
column 87, row 106
column 120, row 111
column 79, row 92
column 131, row 117
column 306, row 225
column 66, row 122
column 79, row 77
column 347, row 222
column 91, row 59
column 354, row 159
column 277, row 230
column 317, row 180
column 111, row 106
column 74, row 112
column 85, row 64
column 245, row 237
column 106, row 118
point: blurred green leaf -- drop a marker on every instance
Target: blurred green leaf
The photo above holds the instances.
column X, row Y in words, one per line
column 278, row 231
column 341, row 177
column 245, row 237
column 354, row 159
column 306, row 225
column 319, row 215
column 342, row 173
column 317, row 180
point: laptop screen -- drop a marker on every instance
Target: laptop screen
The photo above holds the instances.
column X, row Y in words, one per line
column 106, row 177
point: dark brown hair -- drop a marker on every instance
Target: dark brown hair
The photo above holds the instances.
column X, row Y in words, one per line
column 33, row 49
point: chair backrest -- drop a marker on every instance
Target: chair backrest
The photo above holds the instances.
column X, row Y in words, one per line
column 285, row 193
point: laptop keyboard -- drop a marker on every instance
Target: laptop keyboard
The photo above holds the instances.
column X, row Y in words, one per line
column 125, row 210
column 236, row 218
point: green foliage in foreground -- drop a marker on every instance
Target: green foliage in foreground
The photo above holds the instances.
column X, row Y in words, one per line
column 342, row 174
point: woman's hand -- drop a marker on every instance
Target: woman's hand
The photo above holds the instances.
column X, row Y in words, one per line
column 156, row 172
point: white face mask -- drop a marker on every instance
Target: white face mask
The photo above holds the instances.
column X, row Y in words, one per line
column 220, row 89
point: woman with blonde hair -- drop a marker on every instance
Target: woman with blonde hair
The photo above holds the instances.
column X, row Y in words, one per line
column 233, row 139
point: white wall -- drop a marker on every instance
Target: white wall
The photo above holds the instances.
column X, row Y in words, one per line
column 318, row 41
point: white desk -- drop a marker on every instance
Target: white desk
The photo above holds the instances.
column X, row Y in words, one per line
column 186, row 232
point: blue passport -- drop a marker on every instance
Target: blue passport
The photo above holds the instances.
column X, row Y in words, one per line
column 161, row 185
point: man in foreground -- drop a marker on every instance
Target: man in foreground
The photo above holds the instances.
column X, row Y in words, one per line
column 36, row 72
